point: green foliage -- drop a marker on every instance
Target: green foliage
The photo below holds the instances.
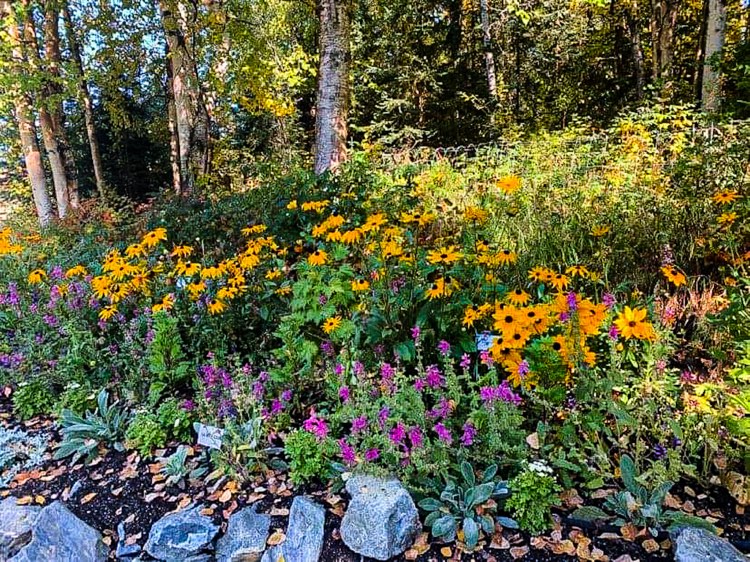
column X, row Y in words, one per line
column 82, row 436
column 33, row 398
column 644, row 507
column 166, row 358
column 175, row 419
column 77, row 398
column 176, row 469
column 309, row 459
column 146, row 433
column 533, row 493
column 463, row 506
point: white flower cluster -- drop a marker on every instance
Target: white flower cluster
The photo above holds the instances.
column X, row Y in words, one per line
column 541, row 468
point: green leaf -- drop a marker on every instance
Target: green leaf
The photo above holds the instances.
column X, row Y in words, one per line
column 681, row 520
column 628, row 473
column 430, row 504
column 489, row 473
column 444, row 527
column 507, row 522
column 431, row 518
column 590, row 513
column 482, row 493
column 468, row 473
column 471, row 532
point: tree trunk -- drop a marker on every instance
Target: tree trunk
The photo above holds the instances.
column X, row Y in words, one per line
column 333, row 85
column 191, row 114
column 663, row 23
column 85, row 98
column 489, row 59
column 174, row 140
column 51, row 146
column 53, row 61
column 637, row 50
column 26, row 127
column 711, row 89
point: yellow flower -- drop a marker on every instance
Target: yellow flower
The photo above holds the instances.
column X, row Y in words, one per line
column 182, row 251
column 352, row 236
column 725, row 197
column 577, row 270
column 519, row 297
column 196, row 289
column 152, row 238
column 213, row 272
column 256, row 229
column 505, row 257
column 541, row 274
column 560, row 281
column 273, row 274
column 36, row 276
column 77, row 271
column 441, row 287
column 360, row 285
column 187, row 269
column 331, row 324
column 107, row 312
column 317, row 206
column 318, row 257
column 101, row 286
column 445, row 255
column 167, row 303
column 135, row 250
column 600, row 230
column 509, row 184
column 476, row 214
column 727, row 218
column 374, row 222
column 216, row 306
column 283, row 290
column 292, row 205
column 673, row 275
column 632, row 323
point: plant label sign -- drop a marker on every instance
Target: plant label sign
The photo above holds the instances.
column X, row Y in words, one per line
column 485, row 340
column 210, row 436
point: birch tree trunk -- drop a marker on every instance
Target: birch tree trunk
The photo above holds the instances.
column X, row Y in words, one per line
column 85, row 99
column 715, row 33
column 46, row 124
column 333, row 85
column 489, row 59
column 174, row 140
column 53, row 61
column 191, row 113
column 27, row 128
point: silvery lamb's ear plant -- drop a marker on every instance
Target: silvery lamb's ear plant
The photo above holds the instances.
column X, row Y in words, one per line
column 82, row 435
column 459, row 503
column 640, row 506
column 20, row 451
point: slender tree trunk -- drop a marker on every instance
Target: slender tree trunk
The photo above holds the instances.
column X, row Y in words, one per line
column 27, row 128
column 85, row 98
column 55, row 99
column 637, row 50
column 655, row 52
column 489, row 59
column 46, row 123
column 333, row 85
column 174, row 139
column 191, row 113
column 715, row 29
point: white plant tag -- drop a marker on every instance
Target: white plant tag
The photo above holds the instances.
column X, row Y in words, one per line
column 210, row 436
column 485, row 340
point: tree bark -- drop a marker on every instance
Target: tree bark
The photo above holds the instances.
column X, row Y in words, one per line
column 174, row 140
column 191, row 114
column 637, row 49
column 85, row 98
column 715, row 30
column 663, row 23
column 53, row 61
column 26, row 126
column 333, row 85
column 489, row 59
column 46, row 123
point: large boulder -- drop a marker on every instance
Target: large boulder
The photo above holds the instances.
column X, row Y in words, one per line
column 59, row 536
column 245, row 539
column 698, row 545
column 304, row 535
column 15, row 526
column 381, row 521
column 181, row 535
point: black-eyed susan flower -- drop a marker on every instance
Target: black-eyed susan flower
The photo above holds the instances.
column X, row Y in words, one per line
column 292, row 205
column 107, row 312
column 76, row 271
column 352, row 236
column 600, row 230
column 509, row 184
column 476, row 215
column 560, row 281
column 151, row 239
column 36, row 276
column 273, row 274
column 135, row 251
column 216, row 306
column 182, row 251
column 725, row 197
column 318, row 257
column 166, row 304
column 255, row 229
column 445, row 254
column 519, row 297
column 506, row 257
column 632, row 323
column 674, row 275
column 187, row 269
column 331, row 324
column 577, row 271
column 727, row 218
column 360, row 285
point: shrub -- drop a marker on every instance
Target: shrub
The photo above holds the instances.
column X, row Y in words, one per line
column 309, row 458
column 146, row 433
column 33, row 398
column 533, row 493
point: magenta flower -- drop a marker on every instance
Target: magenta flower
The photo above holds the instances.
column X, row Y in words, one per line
column 443, row 433
column 397, row 434
column 609, row 300
column 614, row 332
column 317, row 426
column 347, row 452
column 465, row 361
column 344, row 394
column 419, row 385
column 286, row 396
column 383, row 416
column 415, row 333
column 416, row 438
column 486, row 358
column 338, row 370
column 359, row 424
column 276, row 407
column 523, row 368
column 572, row 299
column 359, row 368
column 470, row 432
column 433, row 378
column 372, row 455
column 444, row 348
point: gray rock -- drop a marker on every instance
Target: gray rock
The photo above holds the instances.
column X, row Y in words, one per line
column 699, row 545
column 59, row 536
column 125, row 550
column 245, row 539
column 304, row 535
column 15, row 526
column 178, row 536
column 381, row 521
